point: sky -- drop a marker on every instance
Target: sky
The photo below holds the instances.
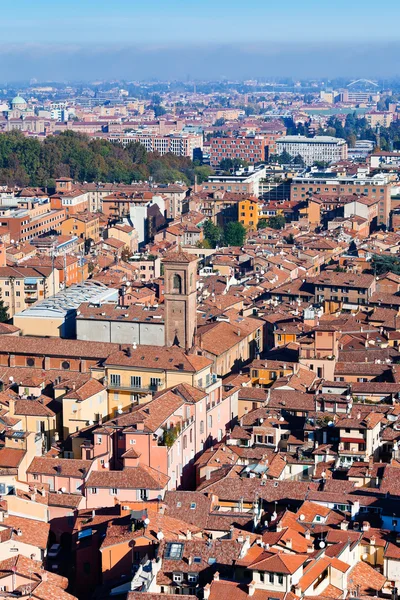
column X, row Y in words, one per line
column 86, row 39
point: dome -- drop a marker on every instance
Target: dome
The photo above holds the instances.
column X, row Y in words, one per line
column 18, row 100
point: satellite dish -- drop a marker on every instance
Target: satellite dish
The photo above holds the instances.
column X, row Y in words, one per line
column 147, row 521
column 302, row 518
column 322, row 544
column 63, row 489
column 11, row 378
column 160, row 535
column 13, row 241
column 330, row 424
column 91, row 423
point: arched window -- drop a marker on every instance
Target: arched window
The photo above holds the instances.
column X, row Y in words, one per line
column 191, row 435
column 201, row 426
column 184, row 442
column 177, row 284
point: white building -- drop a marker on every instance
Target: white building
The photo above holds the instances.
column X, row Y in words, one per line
column 321, row 148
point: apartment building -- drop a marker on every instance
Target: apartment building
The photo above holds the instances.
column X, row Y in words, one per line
column 84, row 225
column 180, row 144
column 31, row 219
column 251, row 148
column 69, row 197
column 346, row 291
column 319, row 148
column 243, row 181
column 248, row 211
column 331, row 186
column 20, row 287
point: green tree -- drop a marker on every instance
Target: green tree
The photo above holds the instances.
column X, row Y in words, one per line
column 321, row 164
column 3, row 312
column 212, row 233
column 262, row 224
column 234, row 234
column 159, row 110
column 381, row 264
column 276, row 222
column 289, row 239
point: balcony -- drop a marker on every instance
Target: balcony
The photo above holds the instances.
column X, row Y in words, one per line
column 30, row 299
column 142, row 389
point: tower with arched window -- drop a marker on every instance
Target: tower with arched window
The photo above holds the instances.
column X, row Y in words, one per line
column 180, row 275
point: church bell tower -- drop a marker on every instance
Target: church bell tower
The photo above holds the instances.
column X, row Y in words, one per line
column 180, row 275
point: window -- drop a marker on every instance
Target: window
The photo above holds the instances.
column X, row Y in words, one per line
column 136, row 382
column 192, row 577
column 201, row 426
column 394, row 522
column 99, row 439
column 174, row 550
column 155, row 382
column 192, row 505
column 271, row 578
column 93, row 490
column 177, row 577
column 177, row 284
column 114, row 491
column 144, row 494
column 280, row 579
column 210, row 420
column 65, row 365
column 115, row 379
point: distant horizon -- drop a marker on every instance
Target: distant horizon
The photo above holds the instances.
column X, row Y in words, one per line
column 207, row 62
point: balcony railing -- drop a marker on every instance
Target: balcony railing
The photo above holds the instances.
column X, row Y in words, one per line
column 142, row 389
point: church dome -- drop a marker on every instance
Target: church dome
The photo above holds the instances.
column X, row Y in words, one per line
column 18, row 100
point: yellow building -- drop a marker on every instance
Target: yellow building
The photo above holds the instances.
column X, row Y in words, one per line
column 248, row 213
column 82, row 405
column 84, row 225
column 133, row 376
column 265, row 372
column 35, row 418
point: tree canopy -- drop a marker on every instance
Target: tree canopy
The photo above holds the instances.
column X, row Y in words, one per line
column 234, row 234
column 26, row 161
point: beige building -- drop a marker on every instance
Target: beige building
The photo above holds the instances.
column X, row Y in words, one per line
column 82, row 405
column 20, row 287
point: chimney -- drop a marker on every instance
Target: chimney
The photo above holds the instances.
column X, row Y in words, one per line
column 188, row 534
column 344, row 525
column 43, row 575
column 216, row 576
column 206, row 591
column 307, row 535
column 252, row 588
column 231, row 530
column 365, row 526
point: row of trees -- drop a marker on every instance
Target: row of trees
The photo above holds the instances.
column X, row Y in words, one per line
column 233, row 234
column 26, row 161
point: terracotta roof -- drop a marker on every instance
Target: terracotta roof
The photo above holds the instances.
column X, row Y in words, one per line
column 367, row 578
column 64, row 467
column 140, row 477
column 158, row 357
column 11, row 457
column 28, row 531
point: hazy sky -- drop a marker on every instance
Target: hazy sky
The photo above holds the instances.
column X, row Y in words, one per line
column 174, row 38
